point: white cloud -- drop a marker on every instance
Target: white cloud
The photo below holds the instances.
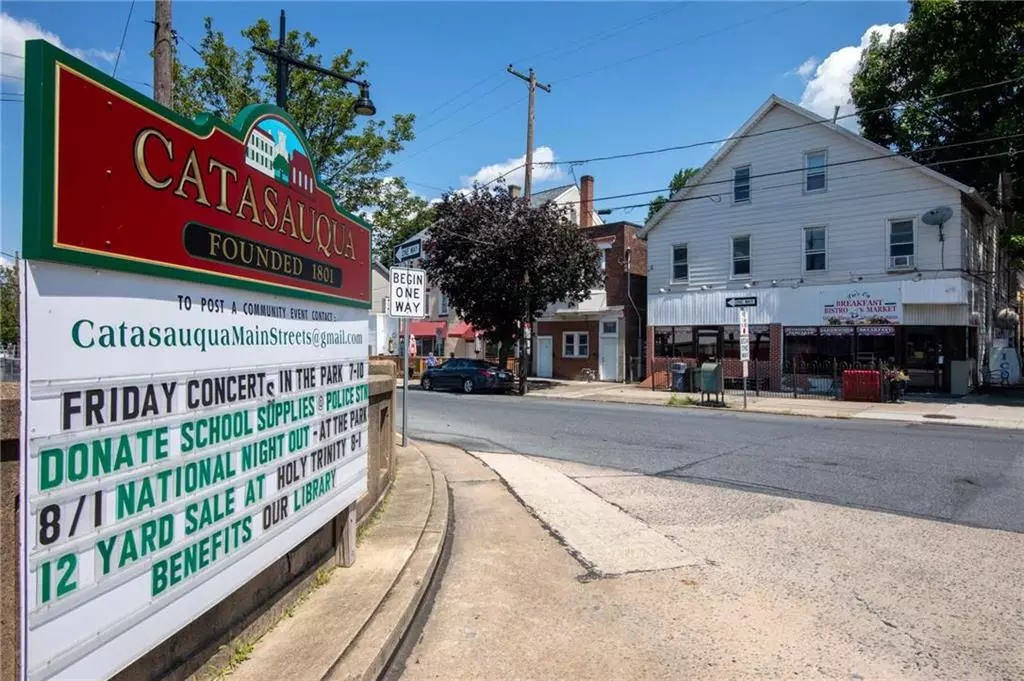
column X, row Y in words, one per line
column 541, row 173
column 830, row 86
column 806, row 68
column 13, row 34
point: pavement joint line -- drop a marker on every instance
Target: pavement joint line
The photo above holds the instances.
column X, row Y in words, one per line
column 589, row 568
column 595, row 569
column 773, row 491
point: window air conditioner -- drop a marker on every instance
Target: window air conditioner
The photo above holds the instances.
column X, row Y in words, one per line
column 901, row 262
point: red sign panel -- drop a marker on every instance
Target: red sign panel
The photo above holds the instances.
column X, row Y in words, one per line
column 146, row 188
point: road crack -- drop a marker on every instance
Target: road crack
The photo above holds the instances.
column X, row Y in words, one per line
column 920, row 648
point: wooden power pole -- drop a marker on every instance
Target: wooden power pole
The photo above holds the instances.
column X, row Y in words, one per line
column 524, row 356
column 163, row 54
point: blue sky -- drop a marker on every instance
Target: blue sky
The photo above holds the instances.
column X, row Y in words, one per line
column 626, row 76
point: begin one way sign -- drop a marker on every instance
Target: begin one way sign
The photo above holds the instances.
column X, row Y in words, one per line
column 408, row 292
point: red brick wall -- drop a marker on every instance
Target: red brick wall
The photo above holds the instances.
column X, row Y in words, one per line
column 568, row 368
column 619, row 287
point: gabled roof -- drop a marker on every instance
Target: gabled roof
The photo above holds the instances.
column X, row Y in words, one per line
column 761, row 112
column 540, row 198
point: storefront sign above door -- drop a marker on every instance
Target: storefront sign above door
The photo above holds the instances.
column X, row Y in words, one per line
column 863, row 304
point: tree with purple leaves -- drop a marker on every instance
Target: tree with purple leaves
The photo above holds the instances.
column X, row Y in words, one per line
column 484, row 243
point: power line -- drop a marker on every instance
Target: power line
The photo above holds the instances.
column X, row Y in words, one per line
column 823, row 121
column 831, row 200
column 124, row 34
column 684, row 42
column 581, row 44
column 471, row 125
column 11, row 54
column 837, row 164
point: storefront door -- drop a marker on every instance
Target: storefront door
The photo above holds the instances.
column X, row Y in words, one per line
column 924, row 357
column 709, row 344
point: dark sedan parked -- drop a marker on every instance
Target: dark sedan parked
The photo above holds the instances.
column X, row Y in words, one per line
column 467, row 375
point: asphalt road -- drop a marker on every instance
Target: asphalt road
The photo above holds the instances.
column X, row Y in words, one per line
column 971, row 476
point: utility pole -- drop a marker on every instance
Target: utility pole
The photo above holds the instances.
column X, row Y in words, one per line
column 163, row 54
column 524, row 357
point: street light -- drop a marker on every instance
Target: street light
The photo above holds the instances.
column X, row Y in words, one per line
column 363, row 105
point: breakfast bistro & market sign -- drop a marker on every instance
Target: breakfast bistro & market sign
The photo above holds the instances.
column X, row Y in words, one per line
column 194, row 379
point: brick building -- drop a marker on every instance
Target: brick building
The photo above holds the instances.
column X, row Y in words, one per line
column 603, row 334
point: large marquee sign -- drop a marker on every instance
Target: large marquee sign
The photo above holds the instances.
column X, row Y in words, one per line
column 194, row 381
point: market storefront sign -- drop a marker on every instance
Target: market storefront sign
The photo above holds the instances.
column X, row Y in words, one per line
column 195, row 381
column 862, row 304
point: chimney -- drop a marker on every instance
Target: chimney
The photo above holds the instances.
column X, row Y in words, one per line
column 586, row 201
column 514, row 190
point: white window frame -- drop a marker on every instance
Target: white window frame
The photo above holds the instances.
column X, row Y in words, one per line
column 750, row 192
column 442, row 306
column 672, row 264
column 576, row 336
column 804, row 252
column 614, row 333
column 823, row 171
column 732, row 256
column 889, row 266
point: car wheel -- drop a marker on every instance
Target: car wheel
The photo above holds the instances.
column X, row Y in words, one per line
column 426, row 383
column 468, row 386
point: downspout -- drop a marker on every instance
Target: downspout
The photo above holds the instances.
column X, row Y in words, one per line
column 629, row 295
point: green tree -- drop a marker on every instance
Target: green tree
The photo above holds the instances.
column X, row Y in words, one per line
column 949, row 46
column 398, row 215
column 681, row 177
column 10, row 319
column 483, row 242
column 351, row 153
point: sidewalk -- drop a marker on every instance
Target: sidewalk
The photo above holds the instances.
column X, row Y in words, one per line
column 562, row 570
column 973, row 410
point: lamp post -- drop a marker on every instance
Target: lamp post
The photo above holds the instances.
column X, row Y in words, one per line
column 363, row 105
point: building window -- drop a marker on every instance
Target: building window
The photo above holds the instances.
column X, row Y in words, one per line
column 901, row 244
column 815, row 169
column 741, row 184
column 680, row 269
column 442, row 307
column 575, row 344
column 609, row 328
column 741, row 256
column 815, row 249
column 604, row 260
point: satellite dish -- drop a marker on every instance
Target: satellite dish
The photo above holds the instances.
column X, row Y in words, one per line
column 937, row 216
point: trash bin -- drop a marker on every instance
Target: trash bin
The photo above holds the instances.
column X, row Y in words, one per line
column 679, row 377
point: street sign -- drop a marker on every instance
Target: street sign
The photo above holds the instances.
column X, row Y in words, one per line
column 746, row 301
column 411, row 250
column 744, row 325
column 408, row 292
column 187, row 357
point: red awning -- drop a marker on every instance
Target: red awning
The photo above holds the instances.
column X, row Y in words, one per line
column 426, row 329
column 463, row 330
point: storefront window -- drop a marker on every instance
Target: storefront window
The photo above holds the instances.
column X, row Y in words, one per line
column 673, row 341
column 876, row 343
column 759, row 343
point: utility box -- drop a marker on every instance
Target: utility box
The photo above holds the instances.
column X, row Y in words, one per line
column 711, row 379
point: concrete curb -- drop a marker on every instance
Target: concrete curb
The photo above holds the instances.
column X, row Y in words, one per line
column 369, row 653
column 889, row 417
column 350, row 627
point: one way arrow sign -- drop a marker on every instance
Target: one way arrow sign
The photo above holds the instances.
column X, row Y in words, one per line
column 749, row 301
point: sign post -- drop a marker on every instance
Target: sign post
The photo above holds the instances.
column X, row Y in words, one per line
column 195, row 389
column 408, row 301
column 744, row 350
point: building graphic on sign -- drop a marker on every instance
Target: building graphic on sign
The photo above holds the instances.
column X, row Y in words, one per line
column 302, row 179
column 259, row 153
column 273, row 149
